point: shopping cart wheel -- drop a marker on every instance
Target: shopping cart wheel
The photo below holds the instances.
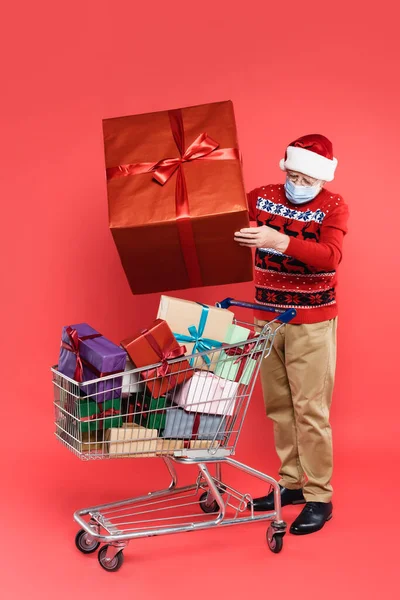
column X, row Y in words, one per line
column 275, row 540
column 85, row 543
column 208, row 508
column 110, row 565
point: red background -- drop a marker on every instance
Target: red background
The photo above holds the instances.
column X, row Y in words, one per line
column 291, row 69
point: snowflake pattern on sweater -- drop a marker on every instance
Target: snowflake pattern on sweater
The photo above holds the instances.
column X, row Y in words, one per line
column 290, row 213
column 304, row 277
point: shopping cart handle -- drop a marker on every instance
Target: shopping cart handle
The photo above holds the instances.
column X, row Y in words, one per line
column 284, row 315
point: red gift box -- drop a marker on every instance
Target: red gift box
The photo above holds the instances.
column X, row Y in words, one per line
column 158, row 345
column 176, row 197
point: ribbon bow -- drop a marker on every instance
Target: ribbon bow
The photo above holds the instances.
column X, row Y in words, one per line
column 164, row 354
column 202, row 146
column 74, row 347
column 201, row 344
column 243, row 353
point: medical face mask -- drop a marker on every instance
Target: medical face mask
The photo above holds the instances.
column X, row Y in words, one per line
column 300, row 194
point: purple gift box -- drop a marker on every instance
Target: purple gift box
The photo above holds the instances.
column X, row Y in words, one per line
column 99, row 357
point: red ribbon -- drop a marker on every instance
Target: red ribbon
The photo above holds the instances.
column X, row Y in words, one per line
column 195, row 430
column 164, row 355
column 144, row 409
column 243, row 354
column 74, row 347
column 203, row 147
column 110, row 412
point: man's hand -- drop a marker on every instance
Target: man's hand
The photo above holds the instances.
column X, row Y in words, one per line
column 262, row 237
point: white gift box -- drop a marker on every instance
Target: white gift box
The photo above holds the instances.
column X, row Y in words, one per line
column 131, row 383
column 207, row 393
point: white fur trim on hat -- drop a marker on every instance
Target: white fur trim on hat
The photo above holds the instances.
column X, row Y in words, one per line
column 309, row 163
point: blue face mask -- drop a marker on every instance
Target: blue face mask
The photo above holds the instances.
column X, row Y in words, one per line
column 300, row 194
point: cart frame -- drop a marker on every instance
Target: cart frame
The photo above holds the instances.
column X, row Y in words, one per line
column 115, row 524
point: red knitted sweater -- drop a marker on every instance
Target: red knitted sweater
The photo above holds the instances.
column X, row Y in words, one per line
column 305, row 276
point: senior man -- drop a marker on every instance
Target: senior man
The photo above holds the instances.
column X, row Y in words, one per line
column 299, row 236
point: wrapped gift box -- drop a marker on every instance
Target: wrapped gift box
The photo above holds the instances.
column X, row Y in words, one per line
column 207, row 393
column 169, row 446
column 84, row 442
column 150, row 412
column 198, row 326
column 93, row 416
column 133, row 440
column 237, row 365
column 182, row 424
column 158, row 345
column 176, row 198
column 164, row 446
column 132, row 383
column 203, row 444
column 85, row 354
column 93, row 441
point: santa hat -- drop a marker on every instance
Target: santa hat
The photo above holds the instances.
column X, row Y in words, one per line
column 311, row 155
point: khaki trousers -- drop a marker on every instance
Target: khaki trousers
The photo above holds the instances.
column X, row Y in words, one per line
column 297, row 380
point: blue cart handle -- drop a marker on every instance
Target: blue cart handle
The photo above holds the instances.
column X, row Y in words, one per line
column 284, row 315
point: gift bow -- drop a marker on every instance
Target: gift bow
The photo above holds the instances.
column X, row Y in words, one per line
column 163, row 354
column 243, row 353
column 240, row 352
column 203, row 147
column 74, row 347
column 201, row 344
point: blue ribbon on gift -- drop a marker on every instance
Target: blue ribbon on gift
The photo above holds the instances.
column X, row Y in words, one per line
column 201, row 344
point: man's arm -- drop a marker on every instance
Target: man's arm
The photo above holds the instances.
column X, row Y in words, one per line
column 325, row 254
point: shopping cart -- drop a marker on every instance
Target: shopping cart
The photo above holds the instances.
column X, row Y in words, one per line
column 128, row 422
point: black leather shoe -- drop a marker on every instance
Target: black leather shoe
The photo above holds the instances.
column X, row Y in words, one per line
column 312, row 518
column 287, row 497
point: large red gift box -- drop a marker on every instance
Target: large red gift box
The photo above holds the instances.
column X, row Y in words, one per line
column 176, row 197
column 158, row 345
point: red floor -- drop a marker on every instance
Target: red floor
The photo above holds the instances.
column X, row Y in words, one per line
column 355, row 556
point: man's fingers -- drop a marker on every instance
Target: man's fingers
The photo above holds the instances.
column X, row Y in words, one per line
column 243, row 242
column 245, row 235
column 248, row 230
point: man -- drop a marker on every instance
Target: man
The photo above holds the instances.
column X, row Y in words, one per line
column 299, row 235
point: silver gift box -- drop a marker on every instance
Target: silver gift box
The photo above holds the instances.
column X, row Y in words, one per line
column 179, row 424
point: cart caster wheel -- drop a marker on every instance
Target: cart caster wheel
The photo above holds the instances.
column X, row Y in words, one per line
column 208, row 508
column 275, row 540
column 84, row 543
column 110, row 565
